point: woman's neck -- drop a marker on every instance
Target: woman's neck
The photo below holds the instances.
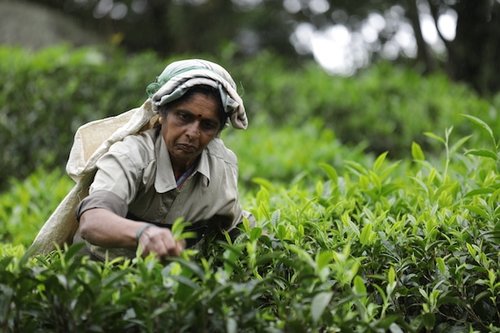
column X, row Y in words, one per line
column 181, row 168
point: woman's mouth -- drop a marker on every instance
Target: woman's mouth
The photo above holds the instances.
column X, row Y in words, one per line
column 185, row 147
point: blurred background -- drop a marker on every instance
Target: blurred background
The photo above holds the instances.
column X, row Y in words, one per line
column 378, row 74
column 460, row 37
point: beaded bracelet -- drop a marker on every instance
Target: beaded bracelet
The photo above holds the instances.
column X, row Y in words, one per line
column 140, row 231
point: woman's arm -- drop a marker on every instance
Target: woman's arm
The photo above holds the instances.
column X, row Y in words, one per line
column 104, row 228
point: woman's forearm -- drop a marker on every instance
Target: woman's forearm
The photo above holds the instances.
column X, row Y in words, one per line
column 104, row 228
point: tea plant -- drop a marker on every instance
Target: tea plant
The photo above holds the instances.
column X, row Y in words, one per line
column 28, row 203
column 46, row 95
column 366, row 245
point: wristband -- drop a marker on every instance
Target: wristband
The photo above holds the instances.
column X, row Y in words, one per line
column 140, row 231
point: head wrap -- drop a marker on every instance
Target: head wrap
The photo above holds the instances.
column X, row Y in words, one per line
column 178, row 77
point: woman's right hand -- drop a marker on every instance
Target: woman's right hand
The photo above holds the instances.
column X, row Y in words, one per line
column 159, row 241
column 104, row 228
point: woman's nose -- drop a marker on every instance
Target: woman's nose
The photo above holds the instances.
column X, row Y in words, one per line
column 193, row 130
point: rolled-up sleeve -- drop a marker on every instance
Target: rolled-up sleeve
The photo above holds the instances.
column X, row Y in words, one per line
column 114, row 185
column 102, row 199
column 117, row 173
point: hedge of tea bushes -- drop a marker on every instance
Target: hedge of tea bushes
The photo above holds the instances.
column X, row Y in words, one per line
column 278, row 155
column 362, row 245
column 385, row 107
column 29, row 203
column 46, row 95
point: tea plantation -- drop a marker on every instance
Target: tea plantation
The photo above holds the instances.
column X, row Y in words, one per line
column 377, row 209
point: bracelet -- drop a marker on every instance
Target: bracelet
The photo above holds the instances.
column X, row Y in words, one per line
column 140, row 231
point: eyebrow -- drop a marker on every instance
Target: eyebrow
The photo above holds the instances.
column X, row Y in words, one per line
column 215, row 119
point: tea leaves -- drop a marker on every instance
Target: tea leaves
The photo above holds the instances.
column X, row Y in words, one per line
column 343, row 242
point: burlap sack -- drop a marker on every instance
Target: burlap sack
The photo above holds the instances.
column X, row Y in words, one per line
column 91, row 141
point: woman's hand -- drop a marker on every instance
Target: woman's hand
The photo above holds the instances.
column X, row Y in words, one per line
column 104, row 228
column 159, row 241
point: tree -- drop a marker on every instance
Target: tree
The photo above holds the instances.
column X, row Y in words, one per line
column 475, row 52
column 177, row 26
column 471, row 57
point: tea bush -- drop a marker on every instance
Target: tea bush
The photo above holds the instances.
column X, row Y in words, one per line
column 386, row 107
column 365, row 245
column 404, row 240
column 290, row 152
column 46, row 95
column 28, row 203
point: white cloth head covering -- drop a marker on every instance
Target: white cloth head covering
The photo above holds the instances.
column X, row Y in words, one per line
column 92, row 140
column 178, row 77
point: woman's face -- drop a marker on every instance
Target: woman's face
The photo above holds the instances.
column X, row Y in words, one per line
column 188, row 128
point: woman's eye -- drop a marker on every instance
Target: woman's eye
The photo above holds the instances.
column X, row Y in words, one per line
column 183, row 116
column 209, row 125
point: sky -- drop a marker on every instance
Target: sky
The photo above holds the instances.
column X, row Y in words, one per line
column 341, row 51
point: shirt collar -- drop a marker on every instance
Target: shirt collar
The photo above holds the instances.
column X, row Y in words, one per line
column 204, row 167
column 165, row 179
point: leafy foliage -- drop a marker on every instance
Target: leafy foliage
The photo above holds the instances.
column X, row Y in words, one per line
column 345, row 241
column 367, row 245
column 385, row 107
column 28, row 203
column 46, row 95
column 291, row 153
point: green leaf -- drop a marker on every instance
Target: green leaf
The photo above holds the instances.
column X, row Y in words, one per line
column 416, row 152
column 471, row 249
column 356, row 168
column 275, row 217
column 302, row 254
column 441, row 265
column 319, row 303
column 323, row 259
column 359, row 286
column 379, row 161
column 367, row 235
column 263, row 182
column 178, row 230
column 481, row 295
column 185, row 281
column 388, row 322
column 479, row 191
column 483, row 125
column 347, row 221
column 435, row 137
column 391, row 275
column 483, row 153
column 330, row 171
column 191, row 266
column 477, row 210
column 394, row 328
column 428, row 319
column 255, row 233
column 459, row 144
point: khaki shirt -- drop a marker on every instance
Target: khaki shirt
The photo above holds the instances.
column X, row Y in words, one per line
column 135, row 179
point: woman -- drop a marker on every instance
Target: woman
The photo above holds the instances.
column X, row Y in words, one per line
column 180, row 168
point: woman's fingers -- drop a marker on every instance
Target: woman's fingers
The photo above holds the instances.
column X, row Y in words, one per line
column 161, row 242
column 181, row 245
